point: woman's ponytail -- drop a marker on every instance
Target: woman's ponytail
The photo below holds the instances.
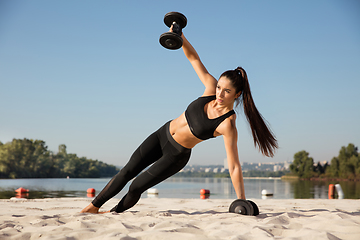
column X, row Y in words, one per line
column 262, row 135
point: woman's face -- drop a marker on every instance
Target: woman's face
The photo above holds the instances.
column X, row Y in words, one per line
column 225, row 92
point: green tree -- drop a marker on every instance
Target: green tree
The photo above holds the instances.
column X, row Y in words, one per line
column 348, row 157
column 24, row 158
column 347, row 164
column 303, row 165
column 333, row 169
column 62, row 150
column 348, row 161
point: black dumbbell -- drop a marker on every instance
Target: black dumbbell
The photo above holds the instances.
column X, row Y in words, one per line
column 172, row 40
column 244, row 207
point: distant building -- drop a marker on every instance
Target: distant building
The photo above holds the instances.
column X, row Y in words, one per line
column 277, row 168
column 287, row 165
column 223, row 170
column 226, row 164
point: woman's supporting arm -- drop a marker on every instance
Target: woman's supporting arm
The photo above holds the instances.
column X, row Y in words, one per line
column 230, row 142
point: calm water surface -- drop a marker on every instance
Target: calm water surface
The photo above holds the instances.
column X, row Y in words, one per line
column 179, row 188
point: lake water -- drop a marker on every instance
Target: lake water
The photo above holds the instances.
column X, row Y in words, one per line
column 180, row 188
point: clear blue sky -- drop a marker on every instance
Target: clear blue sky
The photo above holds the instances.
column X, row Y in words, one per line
column 93, row 76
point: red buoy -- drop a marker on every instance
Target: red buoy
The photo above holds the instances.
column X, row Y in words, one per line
column 204, row 191
column 91, row 190
column 22, row 190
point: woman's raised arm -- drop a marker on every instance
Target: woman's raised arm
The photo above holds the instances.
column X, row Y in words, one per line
column 206, row 78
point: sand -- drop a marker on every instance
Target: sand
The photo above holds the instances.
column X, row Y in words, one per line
column 172, row 219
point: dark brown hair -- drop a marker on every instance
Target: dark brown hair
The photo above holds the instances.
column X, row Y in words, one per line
column 263, row 137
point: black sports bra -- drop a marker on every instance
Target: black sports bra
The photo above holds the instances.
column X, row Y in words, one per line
column 200, row 125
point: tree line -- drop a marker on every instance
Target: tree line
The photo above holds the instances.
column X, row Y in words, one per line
column 27, row 158
column 344, row 166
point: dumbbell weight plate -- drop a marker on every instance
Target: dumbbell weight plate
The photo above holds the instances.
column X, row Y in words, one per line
column 242, row 207
column 171, row 40
column 177, row 17
column 256, row 209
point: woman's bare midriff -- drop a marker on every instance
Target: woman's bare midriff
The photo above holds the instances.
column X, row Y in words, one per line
column 181, row 133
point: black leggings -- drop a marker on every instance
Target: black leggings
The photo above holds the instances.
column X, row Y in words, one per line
column 159, row 148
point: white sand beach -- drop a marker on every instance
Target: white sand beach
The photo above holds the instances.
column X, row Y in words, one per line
column 165, row 218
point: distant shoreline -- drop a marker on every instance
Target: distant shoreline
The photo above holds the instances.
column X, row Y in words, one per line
column 325, row 179
column 295, row 178
column 276, row 178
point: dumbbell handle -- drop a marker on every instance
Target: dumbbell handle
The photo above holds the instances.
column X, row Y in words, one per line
column 176, row 28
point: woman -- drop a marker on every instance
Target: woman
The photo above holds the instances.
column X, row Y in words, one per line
column 169, row 148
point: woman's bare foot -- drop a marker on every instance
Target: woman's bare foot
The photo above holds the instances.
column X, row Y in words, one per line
column 90, row 209
column 104, row 212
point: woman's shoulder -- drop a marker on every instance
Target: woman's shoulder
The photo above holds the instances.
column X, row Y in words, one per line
column 230, row 122
column 228, row 126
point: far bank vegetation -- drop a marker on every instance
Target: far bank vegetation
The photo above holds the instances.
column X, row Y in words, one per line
column 345, row 166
